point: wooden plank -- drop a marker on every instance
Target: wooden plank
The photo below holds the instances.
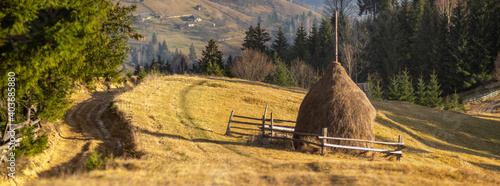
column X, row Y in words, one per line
column 291, row 132
column 283, row 126
column 317, row 144
column 278, row 127
column 244, row 117
column 228, row 130
column 367, row 141
column 280, row 120
column 361, row 148
column 246, row 123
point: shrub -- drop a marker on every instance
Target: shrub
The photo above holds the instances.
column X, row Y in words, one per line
column 95, row 161
column 375, row 86
column 29, row 146
column 252, row 65
column 141, row 75
column 303, row 74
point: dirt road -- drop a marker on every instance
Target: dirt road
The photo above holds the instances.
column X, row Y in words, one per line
column 90, row 126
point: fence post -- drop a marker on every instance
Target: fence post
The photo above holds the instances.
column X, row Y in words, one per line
column 228, row 130
column 264, row 122
column 272, row 124
column 400, row 140
column 323, row 148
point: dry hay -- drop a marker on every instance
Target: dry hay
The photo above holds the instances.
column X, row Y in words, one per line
column 337, row 103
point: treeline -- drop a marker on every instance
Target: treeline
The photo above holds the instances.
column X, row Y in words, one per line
column 455, row 42
column 156, row 56
column 289, row 24
column 441, row 46
column 456, row 39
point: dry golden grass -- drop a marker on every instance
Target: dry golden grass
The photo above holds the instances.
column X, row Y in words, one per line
column 179, row 124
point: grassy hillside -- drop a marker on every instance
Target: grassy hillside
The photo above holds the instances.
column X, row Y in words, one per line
column 231, row 18
column 178, row 124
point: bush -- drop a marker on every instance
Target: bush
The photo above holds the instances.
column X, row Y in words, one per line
column 141, row 75
column 29, row 146
column 252, row 65
column 95, row 161
column 375, row 86
column 303, row 74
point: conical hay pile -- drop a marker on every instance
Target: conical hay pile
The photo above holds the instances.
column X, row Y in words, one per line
column 337, row 103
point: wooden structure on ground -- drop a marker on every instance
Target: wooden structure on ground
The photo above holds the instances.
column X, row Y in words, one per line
column 268, row 129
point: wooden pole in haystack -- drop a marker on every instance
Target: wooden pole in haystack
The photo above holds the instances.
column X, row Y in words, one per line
column 336, row 37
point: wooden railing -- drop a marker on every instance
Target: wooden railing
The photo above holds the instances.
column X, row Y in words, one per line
column 273, row 129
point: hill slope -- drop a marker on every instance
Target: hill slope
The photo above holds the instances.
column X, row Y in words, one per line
column 178, row 125
column 231, row 19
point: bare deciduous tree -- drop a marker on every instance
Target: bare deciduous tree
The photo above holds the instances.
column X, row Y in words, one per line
column 348, row 60
column 303, row 74
column 342, row 6
column 446, row 6
column 252, row 65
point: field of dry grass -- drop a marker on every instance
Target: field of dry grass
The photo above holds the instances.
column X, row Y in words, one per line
column 178, row 124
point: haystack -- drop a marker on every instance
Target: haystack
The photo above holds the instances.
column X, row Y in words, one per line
column 337, row 103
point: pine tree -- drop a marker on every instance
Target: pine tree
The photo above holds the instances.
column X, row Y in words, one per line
column 256, row 38
column 183, row 66
column 280, row 44
column 394, row 92
column 300, row 43
column 327, row 45
column 229, row 61
column 137, row 69
column 313, row 40
column 47, row 59
column 426, row 43
column 401, row 88
column 433, row 98
column 154, row 39
column 406, row 87
column 281, row 75
column 168, row 68
column 192, row 53
column 375, row 88
column 211, row 61
column 421, row 93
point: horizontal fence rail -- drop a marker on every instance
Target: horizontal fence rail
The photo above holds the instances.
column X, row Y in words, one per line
column 273, row 129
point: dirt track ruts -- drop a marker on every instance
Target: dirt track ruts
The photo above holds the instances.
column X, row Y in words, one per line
column 90, row 127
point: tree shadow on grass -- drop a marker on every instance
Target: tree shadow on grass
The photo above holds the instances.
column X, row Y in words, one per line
column 438, row 144
column 192, row 140
column 486, row 166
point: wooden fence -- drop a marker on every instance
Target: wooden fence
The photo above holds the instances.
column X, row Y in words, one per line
column 273, row 131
